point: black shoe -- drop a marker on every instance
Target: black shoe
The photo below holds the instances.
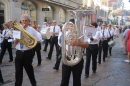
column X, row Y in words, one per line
column 48, row 58
column 99, row 62
column 34, row 85
column 10, row 60
column 39, row 65
column 55, row 68
column 0, row 62
column 86, row 76
column 1, row 82
column 103, row 60
column 44, row 50
column 94, row 71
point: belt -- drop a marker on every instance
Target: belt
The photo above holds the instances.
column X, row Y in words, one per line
column 93, row 44
column 25, row 50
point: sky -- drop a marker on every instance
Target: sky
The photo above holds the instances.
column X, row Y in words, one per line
column 126, row 4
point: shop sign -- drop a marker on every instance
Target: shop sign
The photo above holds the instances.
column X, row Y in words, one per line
column 45, row 9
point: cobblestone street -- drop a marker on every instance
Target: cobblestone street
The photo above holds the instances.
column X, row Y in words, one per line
column 113, row 72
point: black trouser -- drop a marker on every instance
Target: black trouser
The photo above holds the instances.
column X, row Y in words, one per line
column 6, row 45
column 102, row 45
column 91, row 53
column 24, row 59
column 37, row 49
column 47, row 41
column 58, row 57
column 109, row 48
column 53, row 41
column 76, row 71
column 1, row 78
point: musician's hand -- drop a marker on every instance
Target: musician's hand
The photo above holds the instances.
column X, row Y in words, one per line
column 5, row 37
column 16, row 42
column 73, row 42
column 52, row 34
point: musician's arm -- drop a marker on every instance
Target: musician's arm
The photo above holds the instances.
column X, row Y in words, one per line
column 16, row 42
column 79, row 43
column 82, row 44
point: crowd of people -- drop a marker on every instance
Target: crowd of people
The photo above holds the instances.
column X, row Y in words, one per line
column 93, row 47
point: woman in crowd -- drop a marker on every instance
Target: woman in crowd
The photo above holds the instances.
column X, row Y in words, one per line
column 128, row 46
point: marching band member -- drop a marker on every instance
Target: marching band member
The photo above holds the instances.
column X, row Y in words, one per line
column 37, row 48
column 76, row 69
column 112, row 36
column 24, row 55
column 59, row 46
column 1, row 39
column 6, row 44
column 54, row 31
column 92, row 50
column 103, row 43
column 47, row 41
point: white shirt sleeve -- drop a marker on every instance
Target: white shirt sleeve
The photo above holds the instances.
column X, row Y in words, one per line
column 35, row 34
column 59, row 39
column 97, row 35
column 39, row 36
column 108, row 35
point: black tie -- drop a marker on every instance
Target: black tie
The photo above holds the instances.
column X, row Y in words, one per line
column 54, row 29
column 4, row 32
column 103, row 33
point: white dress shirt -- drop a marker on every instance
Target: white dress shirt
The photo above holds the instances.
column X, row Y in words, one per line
column 7, row 33
column 59, row 36
column 1, row 39
column 105, row 35
column 117, row 31
column 57, row 29
column 39, row 36
column 33, row 32
column 111, row 31
column 99, row 28
column 95, row 35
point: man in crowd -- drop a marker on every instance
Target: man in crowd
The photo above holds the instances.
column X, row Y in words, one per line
column 54, row 31
column 24, row 55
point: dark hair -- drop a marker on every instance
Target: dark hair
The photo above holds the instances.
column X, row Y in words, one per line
column 72, row 20
column 94, row 24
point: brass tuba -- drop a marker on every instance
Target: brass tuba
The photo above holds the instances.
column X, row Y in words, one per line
column 72, row 55
column 26, row 38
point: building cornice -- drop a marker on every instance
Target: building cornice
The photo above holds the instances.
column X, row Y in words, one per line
column 61, row 4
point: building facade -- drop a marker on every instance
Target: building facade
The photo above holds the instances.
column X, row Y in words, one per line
column 43, row 10
column 12, row 9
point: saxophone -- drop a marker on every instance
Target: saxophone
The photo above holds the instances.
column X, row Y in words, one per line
column 26, row 38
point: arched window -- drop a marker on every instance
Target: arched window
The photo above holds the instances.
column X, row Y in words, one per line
column 48, row 15
column 1, row 13
column 28, row 7
column 61, row 16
